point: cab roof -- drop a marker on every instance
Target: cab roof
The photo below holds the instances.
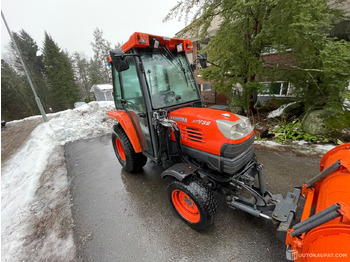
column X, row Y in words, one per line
column 143, row 40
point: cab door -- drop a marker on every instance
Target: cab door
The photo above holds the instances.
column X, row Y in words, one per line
column 133, row 102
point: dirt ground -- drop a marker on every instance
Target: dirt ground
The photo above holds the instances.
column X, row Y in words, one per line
column 13, row 135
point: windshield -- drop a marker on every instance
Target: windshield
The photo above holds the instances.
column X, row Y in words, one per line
column 169, row 78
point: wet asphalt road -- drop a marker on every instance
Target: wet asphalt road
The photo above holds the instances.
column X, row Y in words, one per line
column 127, row 217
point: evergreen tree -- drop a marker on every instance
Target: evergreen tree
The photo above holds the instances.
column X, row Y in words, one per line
column 17, row 100
column 99, row 64
column 322, row 68
column 60, row 75
column 81, row 68
column 249, row 28
column 34, row 63
column 95, row 72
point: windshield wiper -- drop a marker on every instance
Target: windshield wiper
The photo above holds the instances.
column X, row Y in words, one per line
column 166, row 49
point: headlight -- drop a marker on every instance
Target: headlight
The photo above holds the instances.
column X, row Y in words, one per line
column 235, row 130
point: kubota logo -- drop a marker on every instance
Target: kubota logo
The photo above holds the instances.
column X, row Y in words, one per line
column 179, row 119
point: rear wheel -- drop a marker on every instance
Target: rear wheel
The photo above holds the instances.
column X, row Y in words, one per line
column 194, row 203
column 130, row 161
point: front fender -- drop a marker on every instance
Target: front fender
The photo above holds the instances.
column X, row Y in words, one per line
column 125, row 121
column 179, row 171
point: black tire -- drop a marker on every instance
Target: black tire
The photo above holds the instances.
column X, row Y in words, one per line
column 130, row 161
column 204, row 202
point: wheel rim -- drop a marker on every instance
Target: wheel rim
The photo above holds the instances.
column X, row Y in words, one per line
column 185, row 206
column 120, row 149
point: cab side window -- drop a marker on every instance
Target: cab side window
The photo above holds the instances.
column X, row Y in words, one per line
column 131, row 87
column 116, row 89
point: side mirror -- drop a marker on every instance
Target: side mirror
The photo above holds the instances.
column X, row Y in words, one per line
column 193, row 66
column 119, row 60
column 202, row 60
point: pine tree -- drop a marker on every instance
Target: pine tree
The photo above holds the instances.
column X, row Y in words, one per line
column 17, row 100
column 81, row 68
column 34, row 63
column 95, row 72
column 99, row 64
column 60, row 75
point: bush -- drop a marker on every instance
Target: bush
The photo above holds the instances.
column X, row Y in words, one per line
column 292, row 131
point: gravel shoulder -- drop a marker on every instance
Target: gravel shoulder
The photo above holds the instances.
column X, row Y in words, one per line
column 13, row 135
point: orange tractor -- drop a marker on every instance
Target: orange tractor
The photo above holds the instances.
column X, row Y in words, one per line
column 160, row 117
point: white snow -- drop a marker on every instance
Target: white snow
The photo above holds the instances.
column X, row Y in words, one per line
column 279, row 111
column 302, row 147
column 22, row 178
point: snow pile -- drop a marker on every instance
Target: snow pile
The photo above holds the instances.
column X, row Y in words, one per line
column 300, row 147
column 279, row 111
column 36, row 216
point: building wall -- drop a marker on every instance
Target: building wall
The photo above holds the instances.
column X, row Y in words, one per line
column 209, row 95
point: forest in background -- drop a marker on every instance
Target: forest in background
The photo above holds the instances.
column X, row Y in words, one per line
column 60, row 78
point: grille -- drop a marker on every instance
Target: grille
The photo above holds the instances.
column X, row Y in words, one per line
column 192, row 134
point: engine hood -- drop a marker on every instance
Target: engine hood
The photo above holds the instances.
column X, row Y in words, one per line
column 199, row 115
column 208, row 129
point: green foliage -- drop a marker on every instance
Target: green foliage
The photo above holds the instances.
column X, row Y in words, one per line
column 17, row 100
column 99, row 71
column 318, row 66
column 34, row 62
column 81, row 68
column 292, row 131
column 89, row 99
column 336, row 120
column 60, row 76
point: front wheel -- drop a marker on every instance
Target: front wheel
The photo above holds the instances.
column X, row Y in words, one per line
column 193, row 202
column 130, row 161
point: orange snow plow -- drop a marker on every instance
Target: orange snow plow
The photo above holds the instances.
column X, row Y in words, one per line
column 324, row 231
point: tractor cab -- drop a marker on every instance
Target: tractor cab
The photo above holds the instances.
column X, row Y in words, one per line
column 151, row 73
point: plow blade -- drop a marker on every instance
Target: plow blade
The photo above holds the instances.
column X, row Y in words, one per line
column 324, row 231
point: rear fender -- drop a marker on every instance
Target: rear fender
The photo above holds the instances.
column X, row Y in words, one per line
column 125, row 121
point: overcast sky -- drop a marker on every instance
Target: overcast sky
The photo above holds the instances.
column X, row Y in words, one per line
column 71, row 22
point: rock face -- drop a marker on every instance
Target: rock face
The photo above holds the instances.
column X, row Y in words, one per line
column 314, row 123
column 327, row 124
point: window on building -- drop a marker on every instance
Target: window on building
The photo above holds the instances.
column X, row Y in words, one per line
column 276, row 88
column 206, row 87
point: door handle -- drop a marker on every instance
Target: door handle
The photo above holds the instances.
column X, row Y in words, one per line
column 143, row 115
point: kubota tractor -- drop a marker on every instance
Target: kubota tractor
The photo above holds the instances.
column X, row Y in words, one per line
column 160, row 117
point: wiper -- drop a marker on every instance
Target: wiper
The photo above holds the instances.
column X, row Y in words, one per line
column 179, row 63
